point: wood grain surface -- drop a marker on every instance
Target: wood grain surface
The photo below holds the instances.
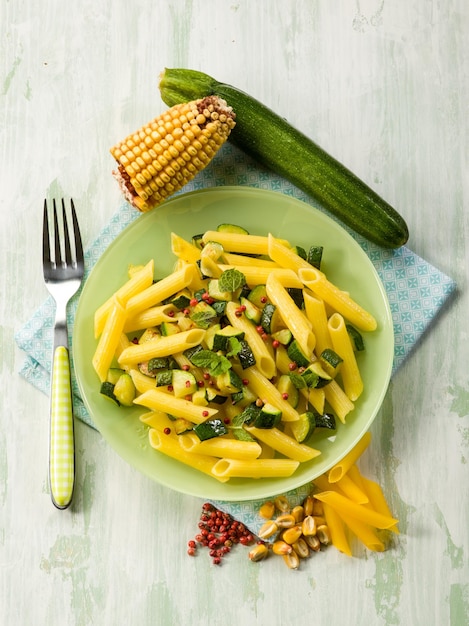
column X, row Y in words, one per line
column 382, row 85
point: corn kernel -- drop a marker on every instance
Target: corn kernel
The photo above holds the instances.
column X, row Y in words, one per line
column 308, row 505
column 259, row 552
column 292, row 560
column 318, row 508
column 281, row 547
column 301, row 548
column 267, row 530
column 323, row 534
column 290, row 535
column 282, row 504
column 267, row 510
column 285, row 521
column 312, row 542
column 298, row 513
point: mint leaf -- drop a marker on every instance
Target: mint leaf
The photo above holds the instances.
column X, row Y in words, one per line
column 241, row 434
column 234, row 346
column 203, row 319
column 231, row 280
column 219, row 365
column 298, row 381
column 203, row 358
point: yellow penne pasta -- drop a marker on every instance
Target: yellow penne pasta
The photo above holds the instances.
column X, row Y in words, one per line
column 221, row 447
column 338, row 399
column 341, row 468
column 293, row 318
column 170, row 446
column 161, row 290
column 184, row 250
column 142, row 383
column 256, row 468
column 349, row 371
column 286, row 445
column 354, row 474
column 258, row 275
column 377, row 500
column 243, row 260
column 264, row 359
column 316, row 313
column 159, row 421
column 364, row 532
column 179, row 407
column 346, row 507
column 337, row 530
column 351, row 490
column 109, row 339
column 317, row 397
column 268, row 393
column 162, row 346
column 153, row 316
column 139, row 281
column 282, row 254
column 341, row 302
column 235, row 242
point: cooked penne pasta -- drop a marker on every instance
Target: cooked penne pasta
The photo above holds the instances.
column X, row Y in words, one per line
column 235, row 242
column 339, row 300
column 256, row 468
column 338, row 399
column 109, row 339
column 349, row 371
column 159, row 291
column 284, row 444
column 139, row 281
column 234, row 260
column 293, row 318
column 316, row 313
column 183, row 249
column 161, row 346
column 269, row 393
column 342, row 467
column 153, row 316
column 159, row 401
column 221, row 447
column 170, row 446
column 282, row 254
column 258, row 275
column 159, row 421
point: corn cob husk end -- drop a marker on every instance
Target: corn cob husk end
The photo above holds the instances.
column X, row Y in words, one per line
column 164, row 155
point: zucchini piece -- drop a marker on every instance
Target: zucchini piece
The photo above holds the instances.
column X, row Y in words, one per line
column 251, row 311
column 214, row 395
column 269, row 416
column 244, row 397
column 210, row 334
column 189, row 352
column 355, row 337
column 297, row 355
column 229, row 382
column 149, row 334
column 285, row 386
column 197, row 241
column 220, row 338
column 199, row 398
column 203, row 315
column 181, row 300
column 215, row 292
column 301, row 252
column 315, row 376
column 113, row 374
column 296, row 295
column 232, row 228
column 258, row 296
column 164, row 378
column 267, row 317
column 315, row 256
column 169, row 328
column 209, row 429
column 181, row 425
column 249, row 414
column 219, row 307
column 183, row 383
column 326, row 420
column 276, row 144
column 246, row 355
column 330, row 361
column 303, row 428
column 124, row 390
column 284, row 336
column 107, row 391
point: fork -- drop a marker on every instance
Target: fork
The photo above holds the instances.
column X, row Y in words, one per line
column 63, row 273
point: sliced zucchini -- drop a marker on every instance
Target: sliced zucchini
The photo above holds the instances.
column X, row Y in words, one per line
column 316, row 376
column 326, row 420
column 303, row 428
column 197, row 241
column 251, row 311
column 203, row 315
column 297, row 355
column 232, row 228
column 149, row 334
column 113, row 374
column 296, row 295
column 124, row 390
column 330, row 361
column 215, row 292
column 283, row 336
column 189, row 352
column 315, row 256
column 258, row 296
column 169, row 328
column 214, row 395
column 285, row 386
column 301, row 252
column 267, row 317
column 244, row 397
column 210, row 334
column 107, row 391
column 246, row 355
column 181, row 300
column 221, row 337
column 209, row 429
column 182, row 425
column 184, row 383
column 355, row 337
column 269, row 416
column 164, row 378
column 229, row 382
column 199, row 398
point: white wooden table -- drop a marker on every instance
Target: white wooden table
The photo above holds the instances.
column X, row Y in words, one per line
column 381, row 85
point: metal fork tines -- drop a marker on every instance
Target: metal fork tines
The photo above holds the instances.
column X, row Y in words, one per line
column 63, row 266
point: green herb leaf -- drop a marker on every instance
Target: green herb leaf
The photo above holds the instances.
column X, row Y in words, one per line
column 241, row 434
column 298, row 381
column 203, row 358
column 231, row 280
column 234, row 346
column 220, row 365
column 203, row 319
column 216, row 363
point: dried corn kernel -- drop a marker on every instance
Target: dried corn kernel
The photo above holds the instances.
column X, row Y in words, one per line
column 308, row 526
column 267, row 510
column 301, row 548
column 282, row 504
column 298, row 513
column 259, row 552
column 323, row 534
column 312, row 542
column 281, row 547
column 285, row 521
column 308, row 505
column 267, row 530
column 290, row 535
column 318, row 508
column 292, row 560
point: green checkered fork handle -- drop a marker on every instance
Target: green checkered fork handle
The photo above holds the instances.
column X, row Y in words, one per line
column 63, row 265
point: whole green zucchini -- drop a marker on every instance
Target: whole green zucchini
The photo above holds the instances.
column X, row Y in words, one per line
column 274, row 143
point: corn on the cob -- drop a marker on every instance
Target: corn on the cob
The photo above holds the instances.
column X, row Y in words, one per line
column 165, row 154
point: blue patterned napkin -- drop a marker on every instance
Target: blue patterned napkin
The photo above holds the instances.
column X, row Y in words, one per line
column 416, row 290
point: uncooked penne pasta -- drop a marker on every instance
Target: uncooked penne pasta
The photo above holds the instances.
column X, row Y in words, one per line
column 342, row 467
column 344, row 506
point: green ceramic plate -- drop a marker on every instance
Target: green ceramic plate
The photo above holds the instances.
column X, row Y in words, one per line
column 260, row 212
